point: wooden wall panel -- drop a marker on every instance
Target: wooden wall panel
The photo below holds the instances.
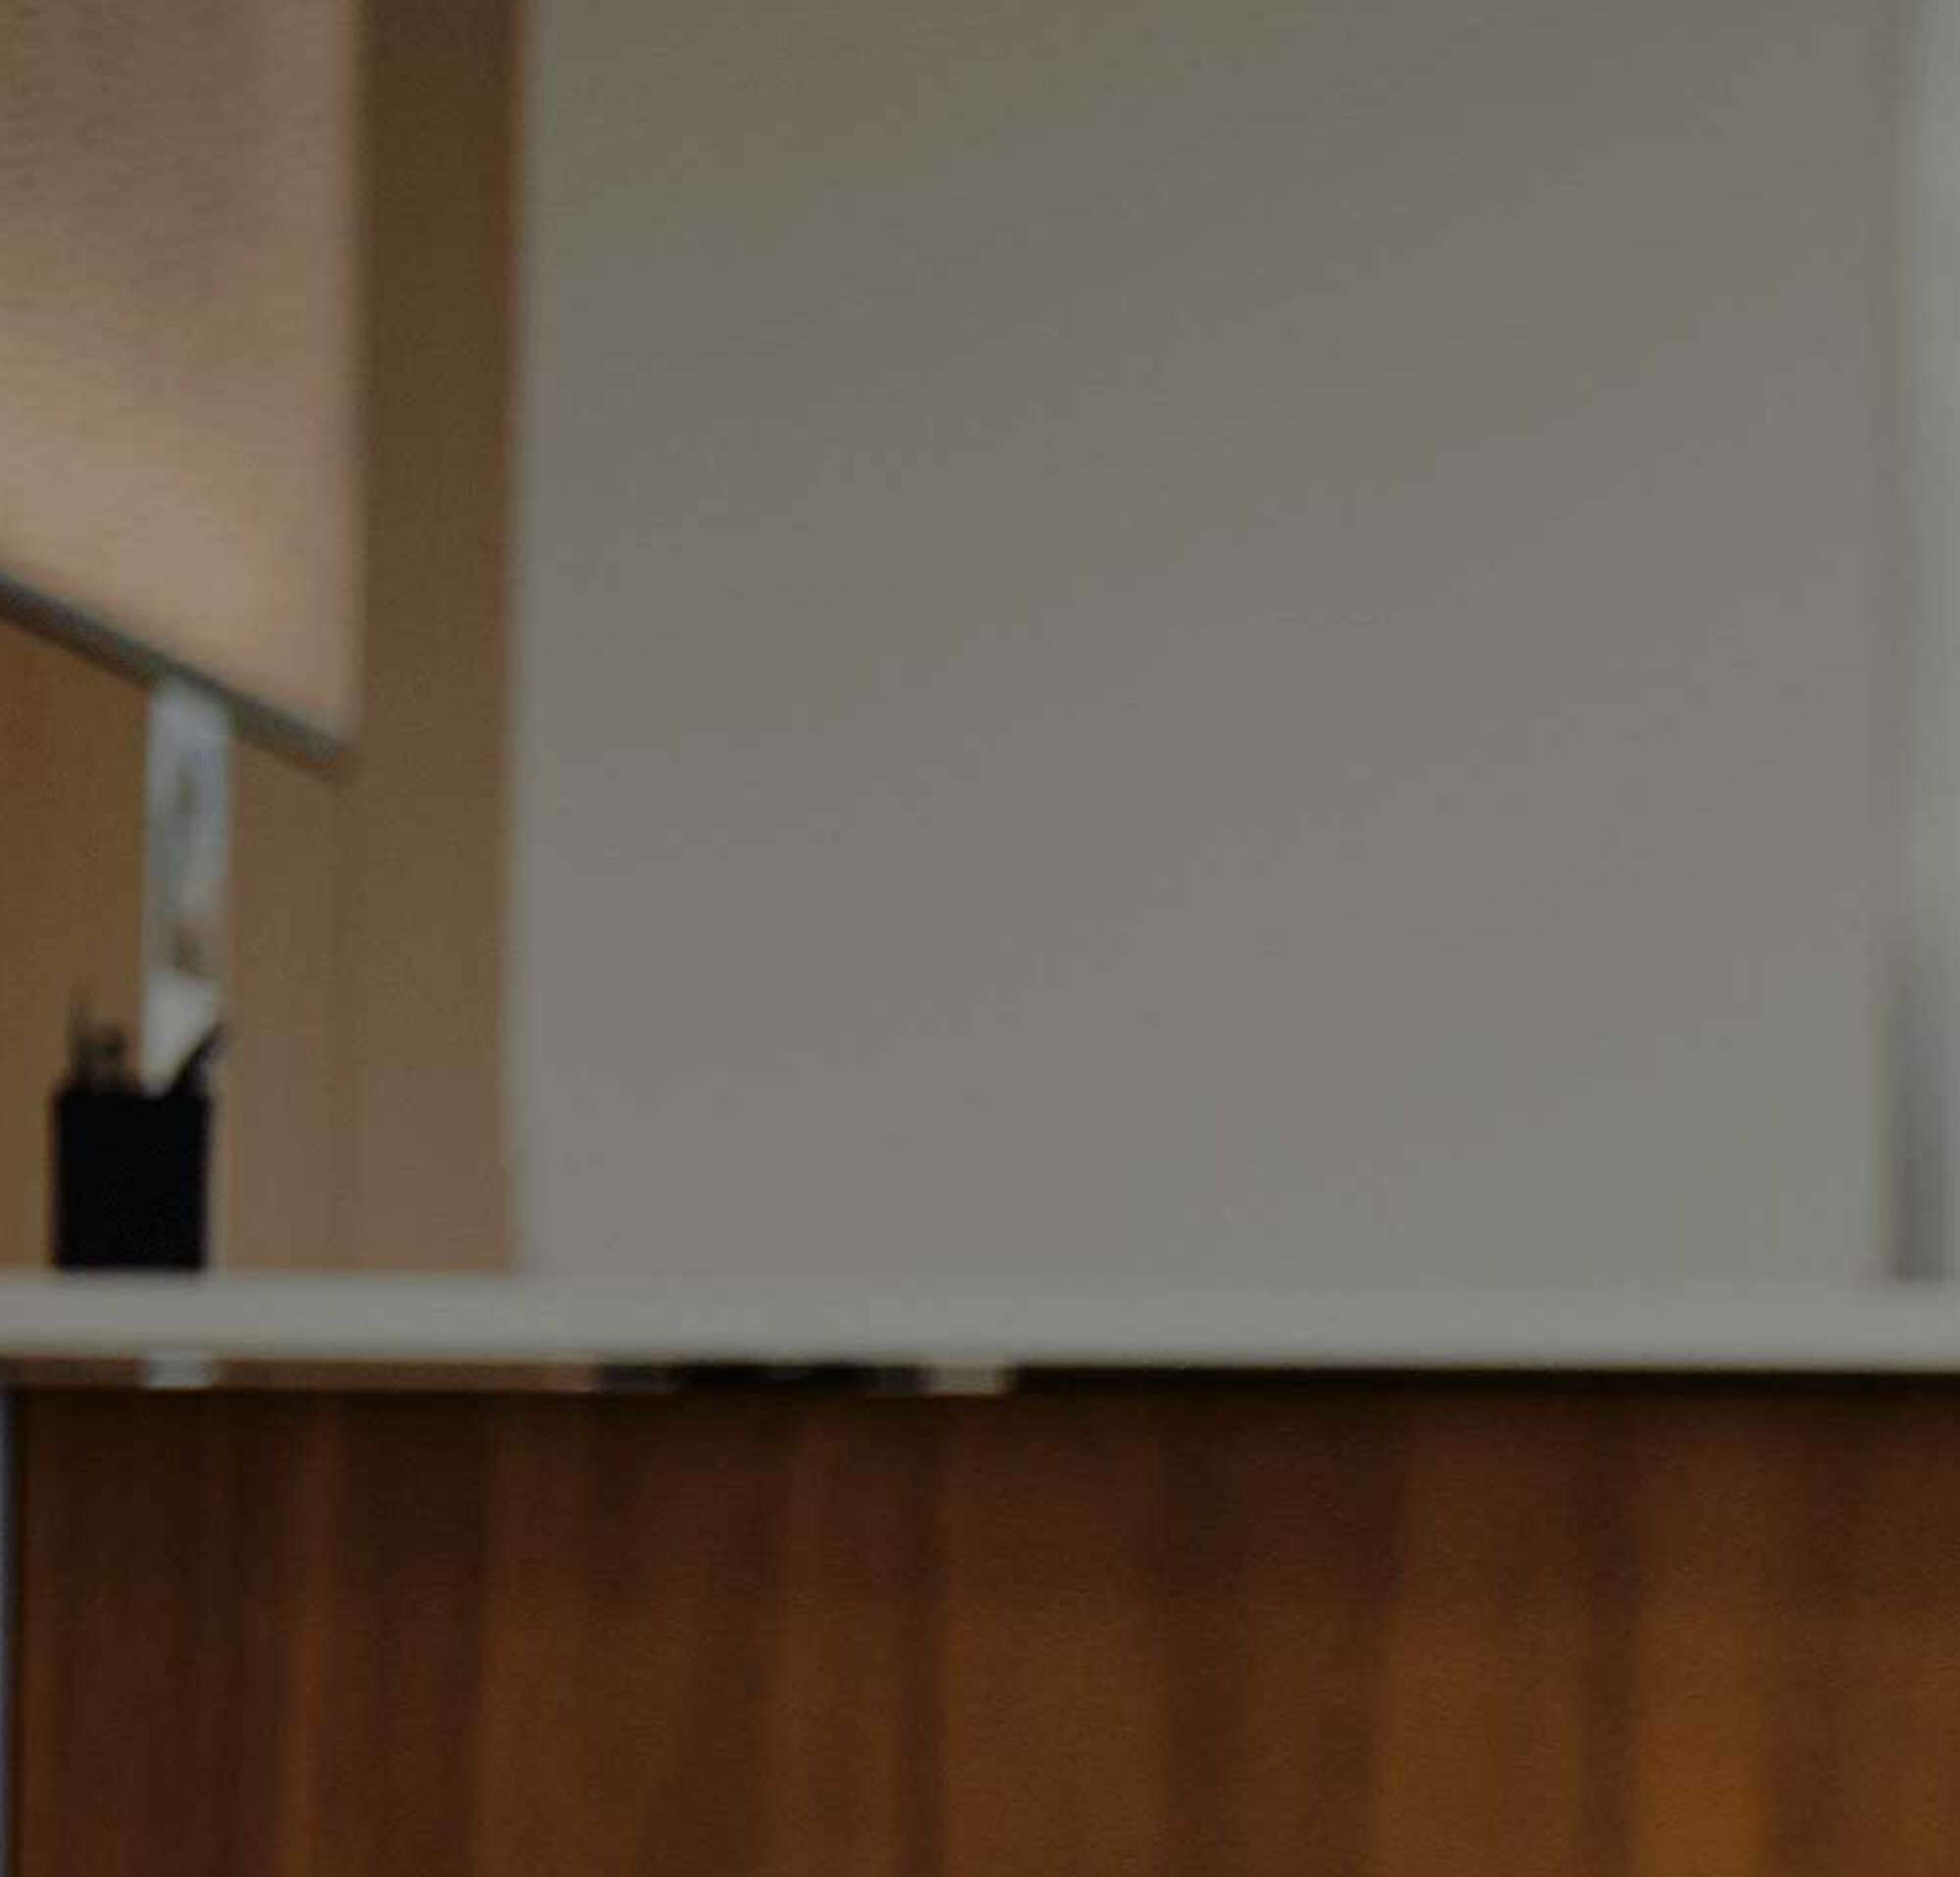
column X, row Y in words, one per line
column 70, row 895
column 851, row 1724
column 391, row 1709
column 421, row 816
column 713, row 1611
column 1058, row 1698
column 1361, row 1628
column 1896, row 1733
column 1284, row 1555
column 1735, row 1631
column 191, row 1642
column 281, row 1142
column 1489, row 1712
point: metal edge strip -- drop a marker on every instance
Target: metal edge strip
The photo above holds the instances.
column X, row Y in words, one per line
column 109, row 646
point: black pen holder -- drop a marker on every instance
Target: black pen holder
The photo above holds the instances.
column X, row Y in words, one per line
column 131, row 1178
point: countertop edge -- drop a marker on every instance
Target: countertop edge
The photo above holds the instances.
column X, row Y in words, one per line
column 438, row 1321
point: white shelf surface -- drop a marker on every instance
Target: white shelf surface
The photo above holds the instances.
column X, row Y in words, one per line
column 436, row 1320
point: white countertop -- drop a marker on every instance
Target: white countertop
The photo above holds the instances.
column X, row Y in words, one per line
column 442, row 1320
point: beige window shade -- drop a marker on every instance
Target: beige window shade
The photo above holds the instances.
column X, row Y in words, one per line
column 178, row 342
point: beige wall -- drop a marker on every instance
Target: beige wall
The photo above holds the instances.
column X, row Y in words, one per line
column 1235, row 640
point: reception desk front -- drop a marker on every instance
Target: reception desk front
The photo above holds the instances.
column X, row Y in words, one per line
column 391, row 1576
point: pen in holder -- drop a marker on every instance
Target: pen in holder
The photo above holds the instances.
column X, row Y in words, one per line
column 132, row 1168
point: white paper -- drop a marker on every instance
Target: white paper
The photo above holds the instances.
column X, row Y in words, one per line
column 187, row 876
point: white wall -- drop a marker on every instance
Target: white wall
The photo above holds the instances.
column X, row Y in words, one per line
column 1203, row 637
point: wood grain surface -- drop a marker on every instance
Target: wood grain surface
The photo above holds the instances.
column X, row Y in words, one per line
column 70, row 895
column 1356, row 1628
